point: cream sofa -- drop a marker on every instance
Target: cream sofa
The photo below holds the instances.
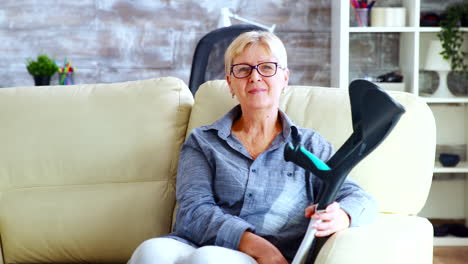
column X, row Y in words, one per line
column 87, row 172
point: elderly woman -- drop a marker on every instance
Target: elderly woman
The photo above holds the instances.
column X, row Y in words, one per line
column 239, row 201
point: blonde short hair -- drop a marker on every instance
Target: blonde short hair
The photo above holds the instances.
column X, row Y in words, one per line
column 273, row 45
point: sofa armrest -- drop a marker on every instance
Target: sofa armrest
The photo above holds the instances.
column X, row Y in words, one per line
column 392, row 239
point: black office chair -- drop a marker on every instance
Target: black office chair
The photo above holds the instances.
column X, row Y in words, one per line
column 210, row 51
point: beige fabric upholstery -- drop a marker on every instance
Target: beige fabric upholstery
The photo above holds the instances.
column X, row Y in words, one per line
column 87, row 172
column 395, row 238
column 398, row 173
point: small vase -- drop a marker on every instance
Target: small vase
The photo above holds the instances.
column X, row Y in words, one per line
column 41, row 80
column 66, row 78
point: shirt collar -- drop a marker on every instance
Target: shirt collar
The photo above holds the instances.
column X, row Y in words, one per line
column 224, row 124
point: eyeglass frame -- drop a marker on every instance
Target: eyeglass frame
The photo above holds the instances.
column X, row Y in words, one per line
column 256, row 68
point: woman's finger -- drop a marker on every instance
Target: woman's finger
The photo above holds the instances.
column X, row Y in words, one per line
column 330, row 212
column 324, row 225
column 325, row 216
column 323, row 233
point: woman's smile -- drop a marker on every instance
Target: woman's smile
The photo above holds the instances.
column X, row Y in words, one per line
column 257, row 90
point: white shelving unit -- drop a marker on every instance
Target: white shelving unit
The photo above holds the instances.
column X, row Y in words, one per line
column 462, row 167
column 413, row 46
column 341, row 30
column 460, row 100
column 450, row 241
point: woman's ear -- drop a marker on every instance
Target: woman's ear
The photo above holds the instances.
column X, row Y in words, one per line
column 286, row 77
column 228, row 80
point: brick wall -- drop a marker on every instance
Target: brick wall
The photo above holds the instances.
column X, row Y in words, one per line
column 122, row 40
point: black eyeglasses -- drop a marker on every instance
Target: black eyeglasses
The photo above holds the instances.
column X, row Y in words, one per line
column 265, row 69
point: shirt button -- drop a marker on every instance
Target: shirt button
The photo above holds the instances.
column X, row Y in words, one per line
column 254, row 170
column 250, row 195
column 289, row 174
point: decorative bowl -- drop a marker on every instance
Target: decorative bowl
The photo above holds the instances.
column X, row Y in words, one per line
column 449, row 160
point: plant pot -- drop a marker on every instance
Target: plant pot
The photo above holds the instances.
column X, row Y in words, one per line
column 41, row 80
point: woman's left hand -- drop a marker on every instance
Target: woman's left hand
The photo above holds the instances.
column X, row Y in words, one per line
column 333, row 219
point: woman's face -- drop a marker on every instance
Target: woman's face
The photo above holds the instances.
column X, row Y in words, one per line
column 257, row 92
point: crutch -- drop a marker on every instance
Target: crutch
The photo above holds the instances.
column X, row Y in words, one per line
column 374, row 115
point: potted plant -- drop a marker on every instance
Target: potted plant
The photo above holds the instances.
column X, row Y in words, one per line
column 452, row 38
column 41, row 69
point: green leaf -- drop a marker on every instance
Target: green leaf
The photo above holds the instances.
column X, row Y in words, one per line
column 42, row 66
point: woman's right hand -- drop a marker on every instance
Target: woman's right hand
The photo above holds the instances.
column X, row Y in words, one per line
column 260, row 249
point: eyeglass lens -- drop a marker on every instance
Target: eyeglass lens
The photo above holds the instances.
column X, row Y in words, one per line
column 266, row 69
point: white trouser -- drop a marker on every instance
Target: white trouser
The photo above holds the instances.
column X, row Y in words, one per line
column 171, row 251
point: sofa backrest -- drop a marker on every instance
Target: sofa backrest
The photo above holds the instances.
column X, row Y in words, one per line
column 398, row 173
column 87, row 172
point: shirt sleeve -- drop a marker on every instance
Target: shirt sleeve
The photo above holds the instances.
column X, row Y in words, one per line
column 357, row 203
column 199, row 218
column 353, row 199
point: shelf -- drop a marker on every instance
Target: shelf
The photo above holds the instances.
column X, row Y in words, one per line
column 429, row 29
column 461, row 167
column 398, row 29
column 381, row 29
column 450, row 241
column 454, row 100
column 437, row 29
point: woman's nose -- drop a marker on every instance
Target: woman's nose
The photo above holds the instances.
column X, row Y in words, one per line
column 255, row 76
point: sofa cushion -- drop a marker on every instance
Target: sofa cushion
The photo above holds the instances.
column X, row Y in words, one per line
column 398, row 173
column 88, row 171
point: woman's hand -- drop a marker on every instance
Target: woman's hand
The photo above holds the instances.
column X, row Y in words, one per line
column 260, row 249
column 333, row 219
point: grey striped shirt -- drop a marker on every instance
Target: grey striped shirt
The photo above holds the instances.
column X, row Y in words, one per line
column 223, row 192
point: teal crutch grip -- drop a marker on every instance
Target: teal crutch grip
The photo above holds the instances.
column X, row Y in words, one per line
column 317, row 162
